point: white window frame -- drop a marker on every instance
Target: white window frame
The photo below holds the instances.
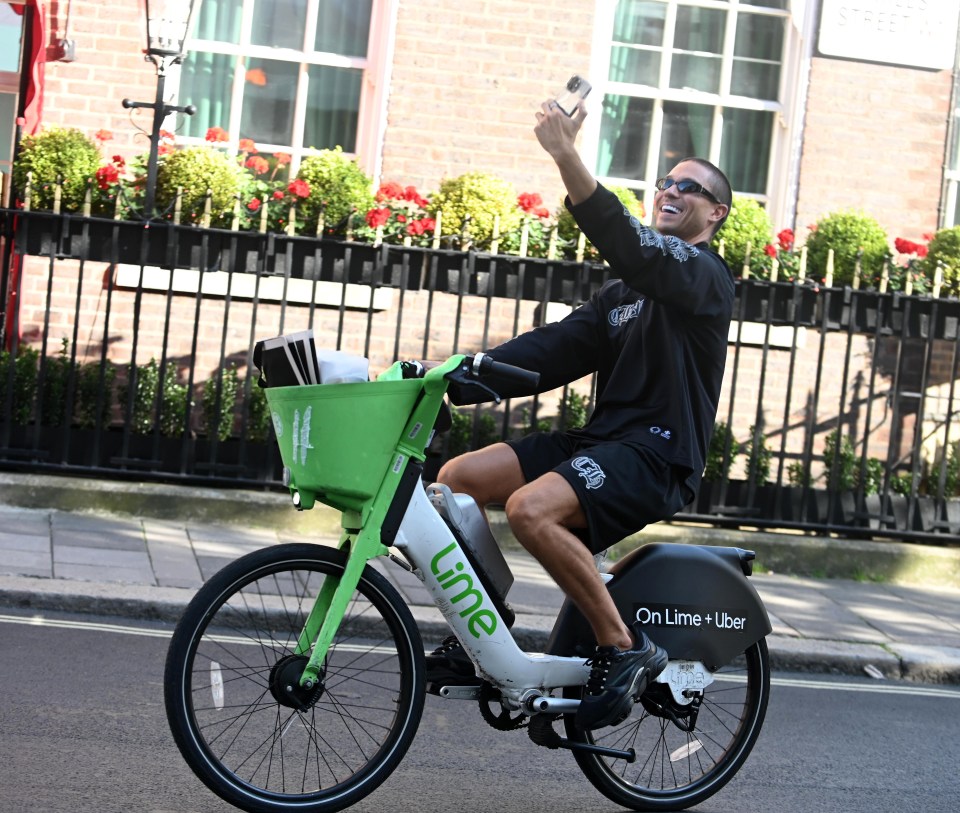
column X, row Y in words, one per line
column 783, row 169
column 376, row 66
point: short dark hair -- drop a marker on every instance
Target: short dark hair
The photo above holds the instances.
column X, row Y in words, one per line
column 720, row 186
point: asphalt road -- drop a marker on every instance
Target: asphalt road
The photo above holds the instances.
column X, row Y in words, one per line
column 84, row 731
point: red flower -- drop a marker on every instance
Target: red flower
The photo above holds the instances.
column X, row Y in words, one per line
column 411, row 194
column 786, row 238
column 417, row 227
column 770, row 250
column 377, row 217
column 299, row 188
column 247, row 145
column 528, row 201
column 118, row 162
column 277, row 195
column 389, row 191
column 166, row 135
column 257, row 165
column 254, row 204
column 283, row 158
column 165, row 149
column 215, row 134
column 907, row 246
column 103, row 135
column 921, row 251
column 106, row 175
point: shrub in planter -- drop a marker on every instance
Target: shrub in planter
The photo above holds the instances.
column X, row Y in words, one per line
column 481, row 196
column 91, row 379
column 797, row 475
column 24, row 382
column 338, row 187
column 56, row 153
column 174, row 400
column 839, row 448
column 219, row 399
column 849, row 234
column 747, row 224
column 944, row 249
column 460, row 437
column 258, row 415
column 196, row 170
column 758, row 465
column 56, row 379
column 722, row 450
column 569, row 233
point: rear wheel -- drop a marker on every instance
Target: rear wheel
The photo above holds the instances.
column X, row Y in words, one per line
column 234, row 704
column 676, row 769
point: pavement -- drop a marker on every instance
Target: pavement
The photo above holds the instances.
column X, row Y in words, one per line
column 139, row 550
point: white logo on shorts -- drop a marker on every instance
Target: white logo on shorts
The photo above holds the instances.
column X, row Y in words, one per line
column 589, row 471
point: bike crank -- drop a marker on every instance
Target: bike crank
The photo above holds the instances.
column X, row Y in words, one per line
column 541, row 731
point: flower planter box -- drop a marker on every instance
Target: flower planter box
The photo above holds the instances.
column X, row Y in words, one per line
column 119, row 241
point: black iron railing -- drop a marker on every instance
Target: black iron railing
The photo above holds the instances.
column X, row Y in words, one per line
column 127, row 352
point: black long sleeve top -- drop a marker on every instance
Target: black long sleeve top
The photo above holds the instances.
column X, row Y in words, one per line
column 656, row 336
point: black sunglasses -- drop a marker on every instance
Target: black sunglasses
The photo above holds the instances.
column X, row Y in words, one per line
column 685, row 187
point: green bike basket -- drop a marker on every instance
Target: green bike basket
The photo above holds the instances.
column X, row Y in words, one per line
column 339, row 439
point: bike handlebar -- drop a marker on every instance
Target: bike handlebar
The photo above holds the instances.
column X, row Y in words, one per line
column 481, row 364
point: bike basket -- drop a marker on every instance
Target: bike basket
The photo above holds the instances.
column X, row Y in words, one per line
column 340, row 438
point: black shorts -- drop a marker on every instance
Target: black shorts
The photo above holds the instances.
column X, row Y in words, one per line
column 621, row 487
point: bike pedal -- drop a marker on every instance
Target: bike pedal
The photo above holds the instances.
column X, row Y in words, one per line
column 471, row 692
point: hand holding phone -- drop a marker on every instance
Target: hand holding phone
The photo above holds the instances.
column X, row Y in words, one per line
column 576, row 90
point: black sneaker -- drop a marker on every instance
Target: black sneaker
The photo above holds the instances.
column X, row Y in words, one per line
column 617, row 679
column 449, row 665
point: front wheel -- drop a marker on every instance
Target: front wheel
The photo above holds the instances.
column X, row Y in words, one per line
column 676, row 769
column 240, row 718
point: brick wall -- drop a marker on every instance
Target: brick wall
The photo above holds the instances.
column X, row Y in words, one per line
column 467, row 80
column 874, row 142
column 109, row 67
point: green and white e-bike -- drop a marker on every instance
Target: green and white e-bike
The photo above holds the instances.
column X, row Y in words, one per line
column 295, row 678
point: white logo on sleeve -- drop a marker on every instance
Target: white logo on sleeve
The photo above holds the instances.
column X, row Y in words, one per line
column 589, row 471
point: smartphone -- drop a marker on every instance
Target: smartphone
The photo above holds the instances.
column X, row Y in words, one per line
column 577, row 88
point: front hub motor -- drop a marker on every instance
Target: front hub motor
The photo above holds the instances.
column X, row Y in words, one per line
column 285, row 683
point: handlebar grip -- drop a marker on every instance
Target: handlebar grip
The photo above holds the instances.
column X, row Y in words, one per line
column 507, row 372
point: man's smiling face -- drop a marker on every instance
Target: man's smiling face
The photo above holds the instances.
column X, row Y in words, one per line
column 689, row 216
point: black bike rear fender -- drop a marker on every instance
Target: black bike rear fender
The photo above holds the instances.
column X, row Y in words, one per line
column 693, row 600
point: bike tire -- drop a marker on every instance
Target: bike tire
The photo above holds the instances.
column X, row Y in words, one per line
column 674, row 769
column 230, row 658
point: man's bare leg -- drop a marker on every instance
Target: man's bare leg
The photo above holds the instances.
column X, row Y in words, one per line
column 540, row 515
column 489, row 475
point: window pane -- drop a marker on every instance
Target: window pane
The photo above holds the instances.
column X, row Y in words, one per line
column 218, row 20
column 624, row 136
column 956, row 210
column 11, row 25
column 640, row 22
column 781, row 4
column 745, row 148
column 8, row 114
column 333, row 105
column 279, row 23
column 268, row 101
column 205, row 81
column 757, row 55
column 343, row 27
column 696, row 72
column 633, row 65
column 701, row 31
column 955, row 144
column 686, row 133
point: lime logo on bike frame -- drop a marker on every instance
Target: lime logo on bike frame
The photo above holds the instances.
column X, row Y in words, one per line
column 481, row 620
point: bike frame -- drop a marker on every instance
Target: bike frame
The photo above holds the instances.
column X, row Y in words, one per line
column 436, row 558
